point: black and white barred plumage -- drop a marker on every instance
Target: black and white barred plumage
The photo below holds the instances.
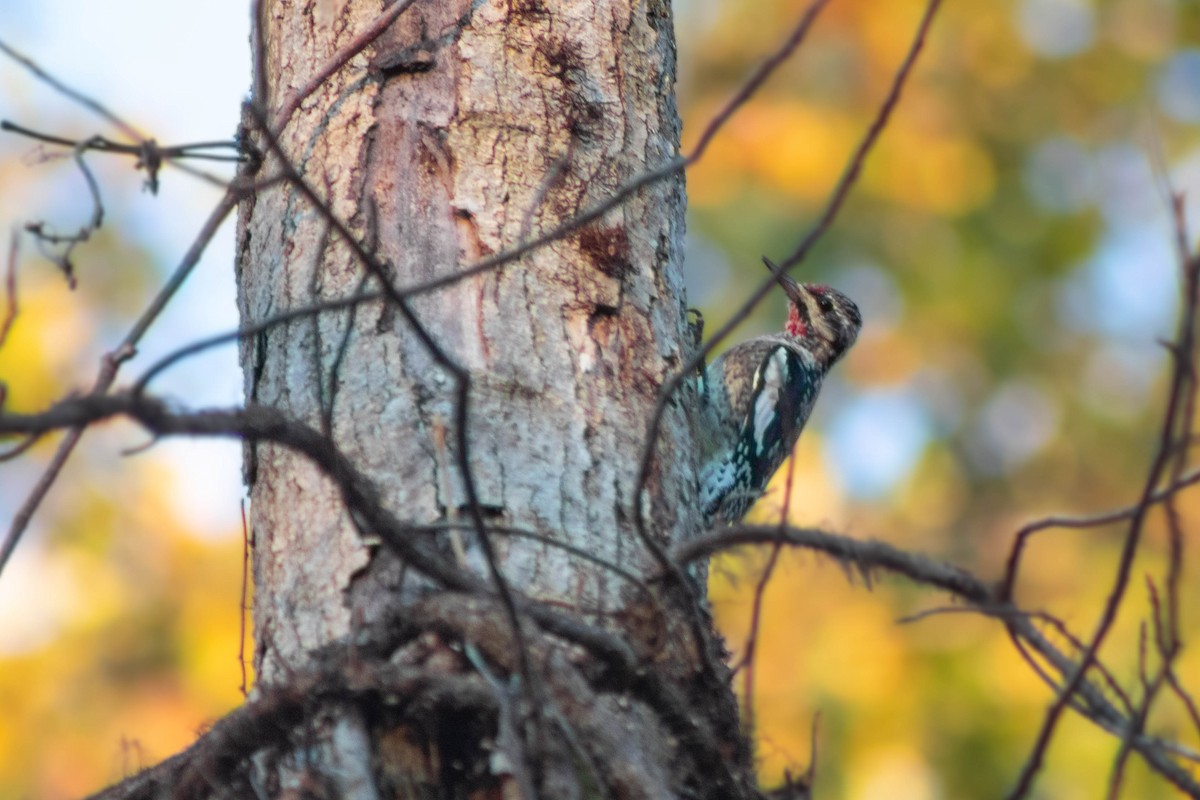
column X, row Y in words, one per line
column 758, row 395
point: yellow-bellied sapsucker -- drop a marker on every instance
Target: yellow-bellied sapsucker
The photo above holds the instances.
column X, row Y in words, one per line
column 757, row 396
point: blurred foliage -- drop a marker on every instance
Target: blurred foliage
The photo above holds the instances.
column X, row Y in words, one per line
column 1010, row 245
column 1010, row 250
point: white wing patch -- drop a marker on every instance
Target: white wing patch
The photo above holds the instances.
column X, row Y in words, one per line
column 716, row 479
column 768, row 383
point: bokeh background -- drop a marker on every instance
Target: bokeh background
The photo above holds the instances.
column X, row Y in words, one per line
column 1010, row 245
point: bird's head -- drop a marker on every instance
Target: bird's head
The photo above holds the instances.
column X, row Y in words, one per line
column 824, row 319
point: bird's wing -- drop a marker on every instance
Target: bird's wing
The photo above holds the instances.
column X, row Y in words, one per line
column 776, row 403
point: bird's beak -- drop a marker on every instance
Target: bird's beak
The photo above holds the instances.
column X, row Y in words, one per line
column 795, row 291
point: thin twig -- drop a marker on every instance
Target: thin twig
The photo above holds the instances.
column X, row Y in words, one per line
column 549, row 541
column 751, row 645
column 243, row 607
column 508, row 737
column 10, row 290
column 101, row 144
column 1008, row 612
column 253, row 329
column 1168, row 650
column 1150, row 689
column 760, row 591
column 258, row 56
column 23, row 447
column 46, row 239
column 79, row 97
column 757, row 78
column 1091, row 521
column 870, row 555
column 149, row 154
column 1190, row 267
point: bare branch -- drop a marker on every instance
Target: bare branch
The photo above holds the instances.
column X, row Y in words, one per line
column 748, row 649
column 867, row 556
column 864, row 555
column 757, row 78
column 746, row 663
column 1178, row 407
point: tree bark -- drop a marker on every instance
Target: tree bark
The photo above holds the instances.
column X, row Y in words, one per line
column 469, row 127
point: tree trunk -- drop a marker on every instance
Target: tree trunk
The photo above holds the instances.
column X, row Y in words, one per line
column 480, row 122
column 467, row 128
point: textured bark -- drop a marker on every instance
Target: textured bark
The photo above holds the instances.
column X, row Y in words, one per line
column 390, row 663
column 486, row 118
column 467, row 128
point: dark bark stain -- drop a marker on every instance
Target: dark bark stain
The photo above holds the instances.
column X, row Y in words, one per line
column 583, row 113
column 607, row 247
column 396, row 53
column 531, row 9
column 405, row 62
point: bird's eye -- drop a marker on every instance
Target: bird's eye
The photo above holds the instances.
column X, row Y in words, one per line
column 824, row 304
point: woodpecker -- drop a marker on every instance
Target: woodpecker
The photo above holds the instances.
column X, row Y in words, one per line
column 756, row 397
